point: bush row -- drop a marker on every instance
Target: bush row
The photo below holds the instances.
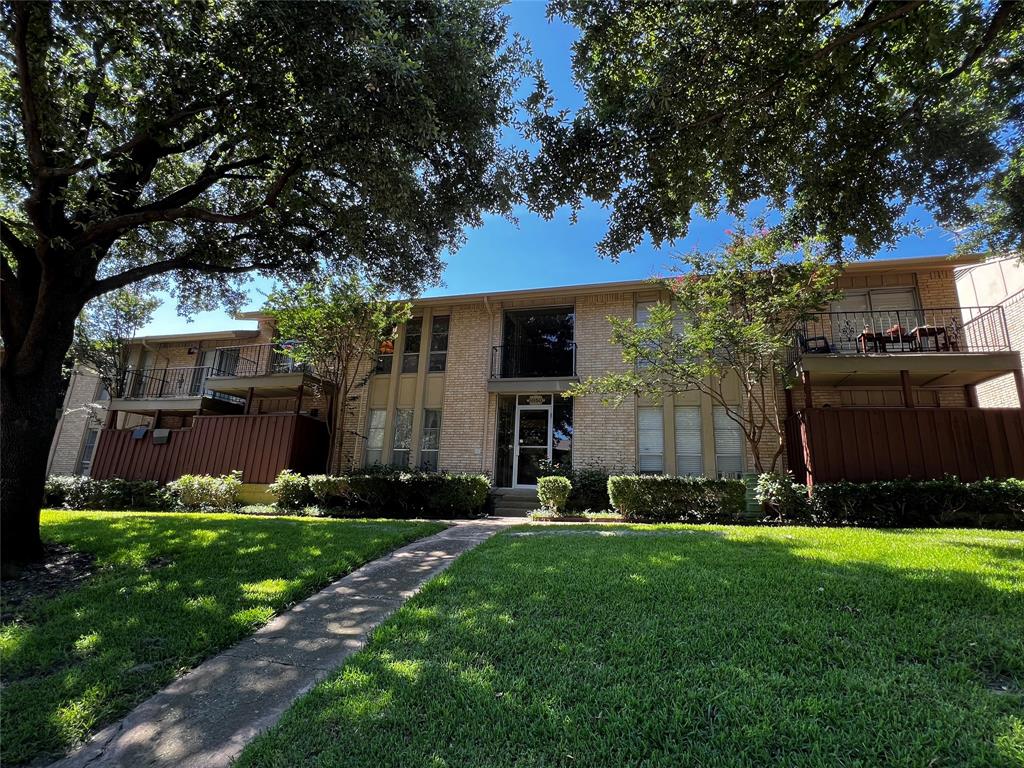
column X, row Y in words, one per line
column 390, row 493
column 196, row 493
column 896, row 503
column 660, row 498
column 589, row 487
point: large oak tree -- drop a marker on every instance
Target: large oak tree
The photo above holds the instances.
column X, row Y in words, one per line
column 200, row 142
column 840, row 113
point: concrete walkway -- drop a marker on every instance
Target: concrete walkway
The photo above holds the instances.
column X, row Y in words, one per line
column 203, row 719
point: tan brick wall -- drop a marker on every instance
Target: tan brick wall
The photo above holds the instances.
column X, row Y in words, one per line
column 81, row 411
column 603, row 436
column 1002, row 392
column 464, row 420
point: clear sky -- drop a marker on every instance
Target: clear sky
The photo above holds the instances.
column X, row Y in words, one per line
column 502, row 256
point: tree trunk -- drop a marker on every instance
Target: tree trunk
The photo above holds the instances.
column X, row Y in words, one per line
column 29, row 400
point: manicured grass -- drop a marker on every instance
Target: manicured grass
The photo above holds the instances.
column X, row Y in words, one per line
column 172, row 589
column 745, row 647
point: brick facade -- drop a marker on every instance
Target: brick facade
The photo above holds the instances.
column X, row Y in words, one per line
column 464, row 419
column 82, row 410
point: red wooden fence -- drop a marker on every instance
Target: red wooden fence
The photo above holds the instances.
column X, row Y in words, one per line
column 863, row 444
column 259, row 446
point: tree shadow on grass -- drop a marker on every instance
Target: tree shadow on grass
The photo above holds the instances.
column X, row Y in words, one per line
column 752, row 649
column 171, row 591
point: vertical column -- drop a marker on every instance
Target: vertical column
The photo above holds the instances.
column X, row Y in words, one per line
column 1018, row 379
column 908, row 394
column 668, row 429
column 421, row 387
column 389, row 414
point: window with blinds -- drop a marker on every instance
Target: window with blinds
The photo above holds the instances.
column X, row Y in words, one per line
column 689, row 453
column 375, row 437
column 651, row 440
column 728, row 444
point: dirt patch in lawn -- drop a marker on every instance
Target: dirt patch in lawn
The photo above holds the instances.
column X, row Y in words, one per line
column 61, row 568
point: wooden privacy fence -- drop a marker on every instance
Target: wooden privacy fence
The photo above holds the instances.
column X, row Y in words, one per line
column 863, row 444
column 259, row 446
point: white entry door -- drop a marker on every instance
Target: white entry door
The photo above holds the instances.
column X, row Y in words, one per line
column 532, row 444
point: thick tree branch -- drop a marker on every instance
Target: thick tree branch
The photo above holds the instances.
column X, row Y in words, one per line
column 27, row 82
column 181, row 263
column 206, row 180
column 999, row 20
column 118, row 224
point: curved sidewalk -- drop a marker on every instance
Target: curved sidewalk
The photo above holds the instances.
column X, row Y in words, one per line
column 206, row 717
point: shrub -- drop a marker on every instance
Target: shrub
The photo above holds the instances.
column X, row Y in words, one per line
column 920, row 503
column 205, row 493
column 553, row 492
column 589, row 485
column 259, row 510
column 782, row 498
column 72, row 492
column 329, row 490
column 658, row 498
column 291, row 490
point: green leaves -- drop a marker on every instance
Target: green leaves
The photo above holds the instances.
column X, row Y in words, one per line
column 841, row 115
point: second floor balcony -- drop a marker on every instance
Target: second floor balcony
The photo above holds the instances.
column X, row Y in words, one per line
column 534, row 360
column 901, row 331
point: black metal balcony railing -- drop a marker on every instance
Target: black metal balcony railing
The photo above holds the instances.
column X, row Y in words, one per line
column 941, row 329
column 168, row 383
column 528, row 361
column 255, row 360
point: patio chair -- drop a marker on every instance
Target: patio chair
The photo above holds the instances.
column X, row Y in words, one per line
column 811, row 345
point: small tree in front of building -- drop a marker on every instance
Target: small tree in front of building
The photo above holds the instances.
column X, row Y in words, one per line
column 733, row 317
column 105, row 331
column 337, row 325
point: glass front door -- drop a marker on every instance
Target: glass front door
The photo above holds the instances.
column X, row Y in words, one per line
column 532, row 443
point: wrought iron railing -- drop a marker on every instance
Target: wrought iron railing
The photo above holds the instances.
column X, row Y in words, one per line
column 938, row 329
column 256, row 360
column 167, row 383
column 526, row 361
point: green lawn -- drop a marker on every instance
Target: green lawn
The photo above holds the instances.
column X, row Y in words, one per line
column 171, row 590
column 745, row 647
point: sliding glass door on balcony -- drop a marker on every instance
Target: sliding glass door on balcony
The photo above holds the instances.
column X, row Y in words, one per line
column 536, row 343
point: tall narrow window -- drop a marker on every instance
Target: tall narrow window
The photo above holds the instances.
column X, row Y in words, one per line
column 643, row 317
column 88, row 450
column 385, row 356
column 689, row 451
column 411, row 352
column 403, row 438
column 375, row 437
column 651, row 440
column 438, row 344
column 728, row 444
column 431, row 440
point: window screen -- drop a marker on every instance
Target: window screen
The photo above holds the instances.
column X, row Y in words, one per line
column 431, row 440
column 411, row 351
column 403, row 438
column 375, row 438
column 88, row 450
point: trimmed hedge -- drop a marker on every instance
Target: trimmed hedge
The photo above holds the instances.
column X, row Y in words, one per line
column 920, row 504
column 589, row 487
column 660, row 498
column 553, row 492
column 204, row 493
column 74, row 492
column 391, row 493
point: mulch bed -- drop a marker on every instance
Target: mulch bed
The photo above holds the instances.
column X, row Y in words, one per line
column 61, row 568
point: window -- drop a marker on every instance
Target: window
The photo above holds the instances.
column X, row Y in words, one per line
column 85, row 462
column 438, row 344
column 411, row 353
column 728, row 444
column 431, row 440
column 403, row 438
column 689, row 450
column 651, row 440
column 375, row 438
column 385, row 355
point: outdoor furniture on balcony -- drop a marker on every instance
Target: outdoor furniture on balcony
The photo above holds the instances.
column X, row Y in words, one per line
column 942, row 329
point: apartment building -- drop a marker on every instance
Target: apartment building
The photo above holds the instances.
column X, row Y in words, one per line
column 476, row 383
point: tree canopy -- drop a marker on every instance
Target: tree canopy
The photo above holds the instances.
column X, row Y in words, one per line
column 841, row 114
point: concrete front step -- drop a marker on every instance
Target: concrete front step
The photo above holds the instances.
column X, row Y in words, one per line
column 514, row 502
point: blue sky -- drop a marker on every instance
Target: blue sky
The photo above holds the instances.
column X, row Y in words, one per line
column 503, row 256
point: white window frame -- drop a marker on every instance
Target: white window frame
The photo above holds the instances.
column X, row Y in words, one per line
column 375, row 437
column 649, row 453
